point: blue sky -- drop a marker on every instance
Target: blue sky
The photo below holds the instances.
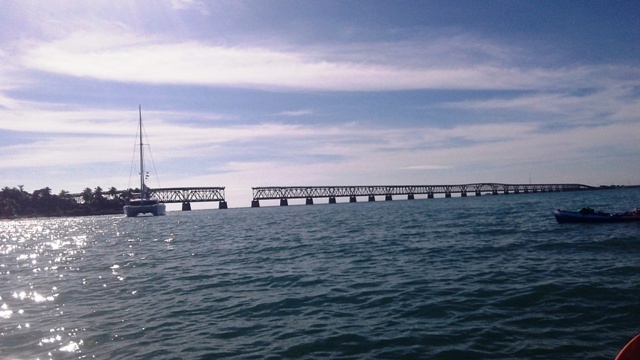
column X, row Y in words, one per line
column 269, row 93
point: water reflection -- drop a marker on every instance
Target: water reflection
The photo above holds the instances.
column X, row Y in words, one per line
column 39, row 260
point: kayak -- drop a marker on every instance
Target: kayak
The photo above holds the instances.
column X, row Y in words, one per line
column 588, row 215
column 631, row 351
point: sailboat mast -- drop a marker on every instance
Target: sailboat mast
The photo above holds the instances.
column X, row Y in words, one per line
column 142, row 189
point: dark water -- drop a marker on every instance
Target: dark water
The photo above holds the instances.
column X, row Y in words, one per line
column 493, row 277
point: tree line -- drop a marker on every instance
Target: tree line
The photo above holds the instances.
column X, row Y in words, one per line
column 16, row 202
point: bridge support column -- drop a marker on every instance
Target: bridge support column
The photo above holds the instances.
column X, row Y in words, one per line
column 495, row 192
column 284, row 202
column 526, row 190
column 430, row 196
column 222, row 205
column 186, row 206
column 388, row 197
column 447, row 195
column 478, row 193
column 309, row 201
column 372, row 198
column 506, row 192
column 463, row 194
column 352, row 199
column 255, row 203
column 332, row 199
column 410, row 197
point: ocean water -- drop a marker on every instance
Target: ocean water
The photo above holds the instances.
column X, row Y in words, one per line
column 490, row 277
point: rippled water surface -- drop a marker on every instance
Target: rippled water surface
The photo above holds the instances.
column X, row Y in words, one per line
column 490, row 277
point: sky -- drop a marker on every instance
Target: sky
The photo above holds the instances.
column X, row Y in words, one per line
column 254, row 93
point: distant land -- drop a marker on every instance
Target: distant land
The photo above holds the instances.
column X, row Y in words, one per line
column 18, row 203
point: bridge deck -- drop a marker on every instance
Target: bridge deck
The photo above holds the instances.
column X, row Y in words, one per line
column 189, row 194
column 283, row 193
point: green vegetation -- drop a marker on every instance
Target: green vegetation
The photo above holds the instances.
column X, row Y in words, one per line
column 17, row 203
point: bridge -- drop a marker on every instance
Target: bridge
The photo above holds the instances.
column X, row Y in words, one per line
column 184, row 195
column 284, row 193
column 191, row 194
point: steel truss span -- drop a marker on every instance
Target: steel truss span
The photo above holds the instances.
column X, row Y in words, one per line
column 190, row 194
column 332, row 192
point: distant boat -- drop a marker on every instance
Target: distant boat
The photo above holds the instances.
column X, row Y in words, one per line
column 588, row 215
column 144, row 203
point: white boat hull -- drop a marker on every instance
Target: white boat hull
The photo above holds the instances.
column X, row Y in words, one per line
column 153, row 209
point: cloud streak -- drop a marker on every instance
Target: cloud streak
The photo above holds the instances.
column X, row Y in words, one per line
column 128, row 57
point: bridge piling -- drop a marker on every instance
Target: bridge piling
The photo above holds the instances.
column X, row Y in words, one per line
column 186, row 206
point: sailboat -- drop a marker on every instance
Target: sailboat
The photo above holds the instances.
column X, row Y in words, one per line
column 144, row 203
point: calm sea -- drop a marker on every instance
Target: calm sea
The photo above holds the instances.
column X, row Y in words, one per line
column 490, row 277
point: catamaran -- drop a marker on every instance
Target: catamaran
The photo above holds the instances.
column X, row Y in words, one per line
column 143, row 203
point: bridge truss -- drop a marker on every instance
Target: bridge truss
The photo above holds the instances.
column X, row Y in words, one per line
column 283, row 193
column 191, row 194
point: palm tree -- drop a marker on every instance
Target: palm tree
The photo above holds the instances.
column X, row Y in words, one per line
column 113, row 192
column 87, row 196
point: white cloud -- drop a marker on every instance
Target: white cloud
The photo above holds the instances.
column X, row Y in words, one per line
column 599, row 105
column 295, row 113
column 129, row 57
column 427, row 167
column 190, row 5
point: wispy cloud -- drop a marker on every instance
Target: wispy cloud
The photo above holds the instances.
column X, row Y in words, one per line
column 595, row 105
column 127, row 57
column 295, row 113
column 190, row 5
column 427, row 167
